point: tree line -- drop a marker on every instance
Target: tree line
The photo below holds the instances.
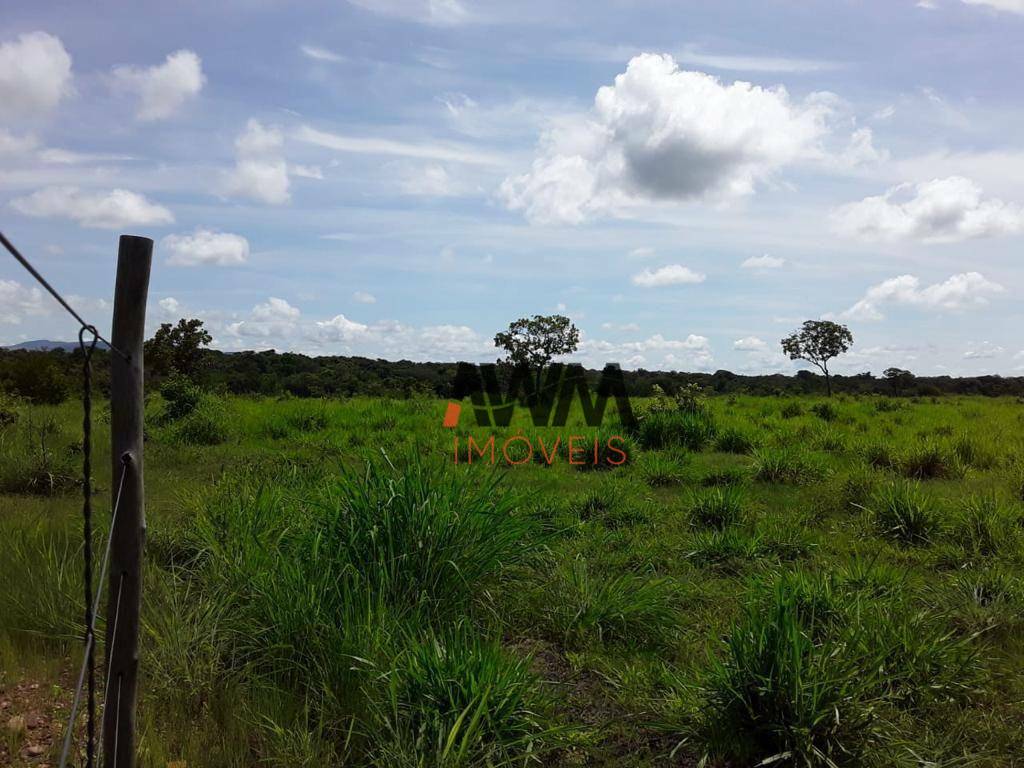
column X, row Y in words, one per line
column 181, row 351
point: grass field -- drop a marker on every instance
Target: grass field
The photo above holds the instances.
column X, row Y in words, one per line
column 794, row 581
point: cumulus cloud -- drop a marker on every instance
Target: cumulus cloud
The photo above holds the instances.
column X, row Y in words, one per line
column 940, row 210
column 17, row 301
column 162, row 89
column 750, row 344
column 170, row 305
column 672, row 274
column 1010, row 6
column 641, row 253
column 116, row 209
column 959, row 292
column 205, row 246
column 260, row 171
column 35, row 74
column 276, row 317
column 655, row 351
column 763, row 262
column 362, row 297
column 662, row 133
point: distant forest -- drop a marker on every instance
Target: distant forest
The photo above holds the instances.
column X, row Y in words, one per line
column 54, row 375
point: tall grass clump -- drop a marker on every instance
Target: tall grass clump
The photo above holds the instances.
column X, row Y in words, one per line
column 659, row 469
column 786, row 465
column 929, row 460
column 985, row 526
column 692, row 430
column 33, row 460
column 734, row 440
column 718, row 508
column 904, row 513
column 581, row 608
column 779, row 693
column 455, row 699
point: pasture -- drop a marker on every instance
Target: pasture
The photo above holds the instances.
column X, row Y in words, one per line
column 798, row 581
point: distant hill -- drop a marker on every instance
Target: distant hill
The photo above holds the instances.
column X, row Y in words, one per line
column 43, row 345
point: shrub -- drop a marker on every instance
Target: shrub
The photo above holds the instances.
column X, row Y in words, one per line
column 581, row 608
column 785, row 465
column 30, row 464
column 733, row 440
column 10, row 410
column 206, row 425
column 904, row 513
column 181, row 397
column 718, row 508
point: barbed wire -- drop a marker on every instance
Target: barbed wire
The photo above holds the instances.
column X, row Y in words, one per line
column 53, row 292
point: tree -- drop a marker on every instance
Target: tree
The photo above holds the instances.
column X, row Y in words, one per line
column 177, row 348
column 531, row 342
column 817, row 342
column 899, row 379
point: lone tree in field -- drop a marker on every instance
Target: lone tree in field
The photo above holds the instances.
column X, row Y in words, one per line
column 177, row 348
column 531, row 342
column 817, row 342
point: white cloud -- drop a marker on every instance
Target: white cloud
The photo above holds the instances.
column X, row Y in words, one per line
column 740, row 63
column 436, row 12
column 624, row 327
column 363, row 297
column 16, row 301
column 750, row 344
column 693, row 351
column 641, row 253
column 959, row 292
column 275, row 318
column 763, row 262
column 427, row 181
column 206, row 247
column 35, row 74
column 444, row 152
column 672, row 274
column 1010, row 6
column 340, row 328
column 16, row 145
column 941, row 210
column 986, row 350
column 162, row 89
column 317, row 53
column 170, row 305
column 661, row 133
column 306, row 171
column 116, row 209
column 260, row 172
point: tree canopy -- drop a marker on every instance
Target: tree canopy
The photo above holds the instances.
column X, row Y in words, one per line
column 817, row 342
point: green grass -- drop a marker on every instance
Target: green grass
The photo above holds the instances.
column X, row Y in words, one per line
column 791, row 580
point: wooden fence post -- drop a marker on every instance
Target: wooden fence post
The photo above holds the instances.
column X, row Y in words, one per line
column 124, row 585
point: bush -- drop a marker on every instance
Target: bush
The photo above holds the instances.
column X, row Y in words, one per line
column 904, row 513
column 30, row 464
column 181, row 397
column 206, row 425
column 10, row 410
column 791, row 410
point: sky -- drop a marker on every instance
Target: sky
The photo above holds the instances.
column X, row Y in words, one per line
column 403, row 178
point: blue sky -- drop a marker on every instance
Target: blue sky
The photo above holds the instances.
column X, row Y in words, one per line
column 688, row 181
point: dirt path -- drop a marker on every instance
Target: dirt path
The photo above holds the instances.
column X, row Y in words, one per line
column 33, row 713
